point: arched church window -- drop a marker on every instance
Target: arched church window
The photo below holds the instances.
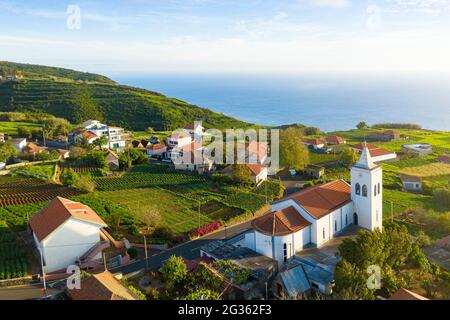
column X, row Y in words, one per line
column 285, row 252
column 364, row 191
column 323, row 232
column 358, row 189
column 379, row 188
column 375, row 190
column 346, row 220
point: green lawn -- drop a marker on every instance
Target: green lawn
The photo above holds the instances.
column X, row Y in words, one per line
column 45, row 169
column 10, row 128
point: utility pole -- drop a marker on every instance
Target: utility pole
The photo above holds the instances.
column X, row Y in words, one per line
column 392, row 211
column 104, row 261
column 43, row 273
column 145, row 250
column 265, row 184
column 199, row 214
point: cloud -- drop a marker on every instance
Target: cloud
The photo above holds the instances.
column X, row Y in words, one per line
column 328, row 3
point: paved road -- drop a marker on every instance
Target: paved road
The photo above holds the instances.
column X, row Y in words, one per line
column 29, row 291
column 189, row 250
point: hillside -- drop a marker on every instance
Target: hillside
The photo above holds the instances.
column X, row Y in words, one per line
column 79, row 96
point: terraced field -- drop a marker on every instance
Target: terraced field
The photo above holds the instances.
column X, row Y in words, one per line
column 147, row 176
column 17, row 190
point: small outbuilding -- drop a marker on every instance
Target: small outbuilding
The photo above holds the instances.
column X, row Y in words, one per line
column 411, row 183
column 314, row 171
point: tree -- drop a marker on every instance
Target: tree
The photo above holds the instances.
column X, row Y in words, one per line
column 149, row 216
column 362, row 125
column 203, row 294
column 349, row 156
column 84, row 183
column 100, row 142
column 388, row 250
column 241, row 174
column 6, row 150
column 68, row 177
column 293, row 153
column 174, row 270
column 311, row 131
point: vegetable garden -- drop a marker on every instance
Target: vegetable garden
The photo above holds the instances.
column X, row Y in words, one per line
column 147, row 176
column 13, row 263
column 17, row 190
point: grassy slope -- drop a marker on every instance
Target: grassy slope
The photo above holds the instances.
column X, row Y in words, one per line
column 62, row 93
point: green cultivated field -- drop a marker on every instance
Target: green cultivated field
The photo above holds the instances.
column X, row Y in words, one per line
column 13, row 263
column 10, row 128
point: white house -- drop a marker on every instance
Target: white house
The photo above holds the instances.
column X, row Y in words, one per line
column 19, row 143
column 2, row 137
column 314, row 143
column 179, row 139
column 377, row 154
column 411, row 183
column 93, row 129
column 315, row 215
column 64, row 231
column 421, row 149
column 195, row 128
column 256, row 152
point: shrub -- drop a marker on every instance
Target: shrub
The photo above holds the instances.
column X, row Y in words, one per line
column 133, row 252
column 205, row 229
column 442, row 197
column 84, row 183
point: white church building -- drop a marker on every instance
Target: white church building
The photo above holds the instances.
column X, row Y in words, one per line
column 313, row 216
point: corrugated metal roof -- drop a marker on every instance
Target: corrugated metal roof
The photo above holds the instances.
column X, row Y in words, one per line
column 295, row 281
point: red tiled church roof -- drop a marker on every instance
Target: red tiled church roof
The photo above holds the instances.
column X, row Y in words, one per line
column 281, row 222
column 323, row 199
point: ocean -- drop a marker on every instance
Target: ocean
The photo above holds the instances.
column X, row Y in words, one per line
column 330, row 102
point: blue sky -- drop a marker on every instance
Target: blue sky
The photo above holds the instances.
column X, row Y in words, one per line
column 229, row 36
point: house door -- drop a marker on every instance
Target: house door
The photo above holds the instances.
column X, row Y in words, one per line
column 355, row 218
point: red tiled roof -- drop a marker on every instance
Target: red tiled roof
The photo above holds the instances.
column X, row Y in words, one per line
column 89, row 134
column 256, row 169
column 32, row 147
column 192, row 264
column 281, row 222
column 323, row 199
column 156, row 146
column 335, row 139
column 102, row 286
column 445, row 158
column 190, row 126
column 403, row 294
column 373, row 150
column 313, row 141
column 58, row 211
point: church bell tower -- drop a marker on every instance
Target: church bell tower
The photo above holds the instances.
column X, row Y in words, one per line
column 366, row 189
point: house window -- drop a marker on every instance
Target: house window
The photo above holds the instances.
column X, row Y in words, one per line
column 364, row 191
column 346, row 220
column 376, row 217
column 285, row 252
column 335, row 225
column 323, row 232
column 357, row 189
